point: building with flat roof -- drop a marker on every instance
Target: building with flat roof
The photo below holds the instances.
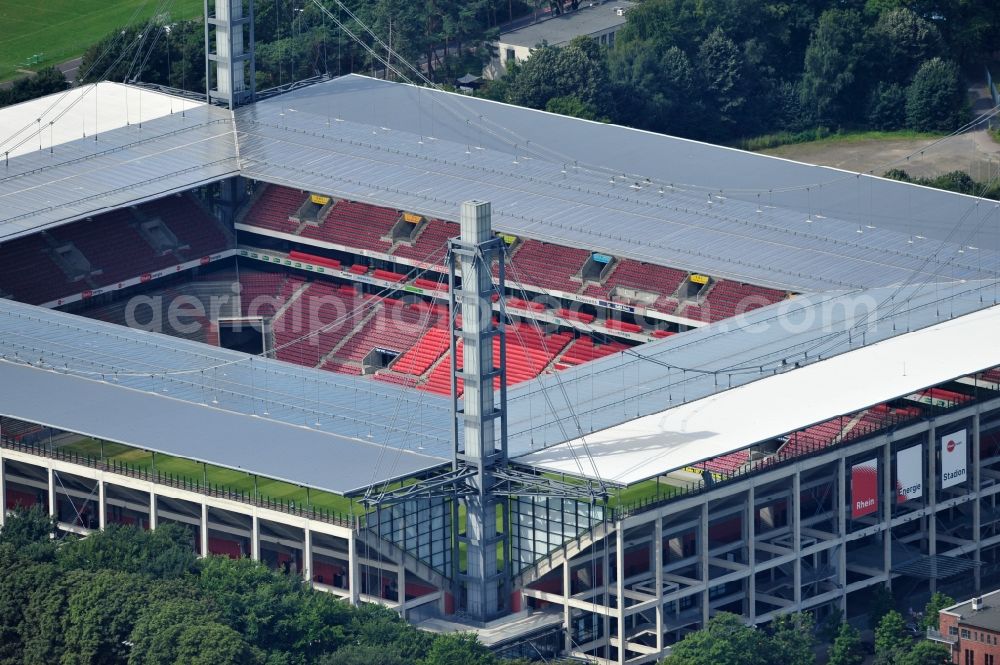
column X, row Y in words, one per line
column 600, row 20
column 971, row 629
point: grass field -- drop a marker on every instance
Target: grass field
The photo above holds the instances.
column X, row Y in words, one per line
column 60, row 30
column 227, row 478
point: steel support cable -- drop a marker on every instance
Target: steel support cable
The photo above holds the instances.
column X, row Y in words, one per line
column 565, row 395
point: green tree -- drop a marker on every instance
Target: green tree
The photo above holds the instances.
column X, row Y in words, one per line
column 353, row 654
column 903, row 40
column 28, row 534
column 846, row 648
column 458, row 649
column 578, row 70
column 887, row 108
column 655, row 87
column 834, row 75
column 43, row 628
column 100, row 614
column 935, row 100
column 726, row 639
column 159, row 626
column 44, row 82
column 721, row 72
column 164, row 552
column 925, row 652
column 670, row 22
column 891, row 640
column 793, row 639
column 938, row 601
column 18, row 580
column 880, row 601
column 213, row 644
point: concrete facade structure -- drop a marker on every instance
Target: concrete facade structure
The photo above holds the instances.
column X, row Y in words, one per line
column 783, row 538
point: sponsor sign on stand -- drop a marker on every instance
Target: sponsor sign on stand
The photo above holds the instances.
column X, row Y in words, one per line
column 953, row 459
column 909, row 474
column 864, row 488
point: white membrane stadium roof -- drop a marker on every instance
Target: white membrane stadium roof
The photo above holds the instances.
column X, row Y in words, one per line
column 86, row 110
column 616, row 190
column 768, row 408
column 162, row 393
column 665, row 373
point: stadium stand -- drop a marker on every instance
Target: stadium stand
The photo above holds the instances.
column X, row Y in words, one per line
column 259, row 293
column 644, row 277
column 583, row 350
column 355, row 225
column 27, row 274
column 113, row 247
column 727, row 298
column 273, row 207
column 547, row 266
column 430, row 244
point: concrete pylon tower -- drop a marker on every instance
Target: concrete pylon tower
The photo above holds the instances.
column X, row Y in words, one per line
column 229, row 52
column 482, row 445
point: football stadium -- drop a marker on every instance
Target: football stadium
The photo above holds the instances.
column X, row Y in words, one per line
column 573, row 386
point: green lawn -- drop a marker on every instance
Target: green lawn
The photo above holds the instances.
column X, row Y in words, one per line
column 193, row 471
column 645, row 491
column 60, row 30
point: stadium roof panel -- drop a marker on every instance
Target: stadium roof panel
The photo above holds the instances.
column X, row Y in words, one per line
column 700, row 363
column 297, row 454
column 81, row 112
column 426, row 151
column 133, row 158
column 774, row 406
column 202, row 383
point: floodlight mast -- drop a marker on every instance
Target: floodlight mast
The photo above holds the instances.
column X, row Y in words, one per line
column 483, row 443
column 233, row 59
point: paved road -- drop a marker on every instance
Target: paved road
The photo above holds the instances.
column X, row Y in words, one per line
column 70, row 68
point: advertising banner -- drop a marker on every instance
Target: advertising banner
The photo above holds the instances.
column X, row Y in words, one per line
column 953, row 458
column 909, row 474
column 864, row 488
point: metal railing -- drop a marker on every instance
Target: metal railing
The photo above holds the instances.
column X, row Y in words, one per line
column 180, row 482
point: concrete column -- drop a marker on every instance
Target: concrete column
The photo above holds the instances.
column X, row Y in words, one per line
column 567, row 592
column 620, row 565
column 255, row 538
column 606, row 572
column 842, row 528
column 658, row 579
column 52, row 491
column 888, row 501
column 977, row 506
column 932, row 478
column 703, row 558
column 3, row 493
column 796, row 506
column 307, row 555
column 102, row 503
column 152, row 510
column 204, row 529
column 750, row 534
column 355, row 573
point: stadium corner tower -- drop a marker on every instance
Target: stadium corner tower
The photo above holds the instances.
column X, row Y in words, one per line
column 573, row 386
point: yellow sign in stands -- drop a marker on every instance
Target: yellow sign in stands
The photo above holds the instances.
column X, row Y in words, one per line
column 510, row 240
column 319, row 200
column 699, row 279
column 411, row 218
